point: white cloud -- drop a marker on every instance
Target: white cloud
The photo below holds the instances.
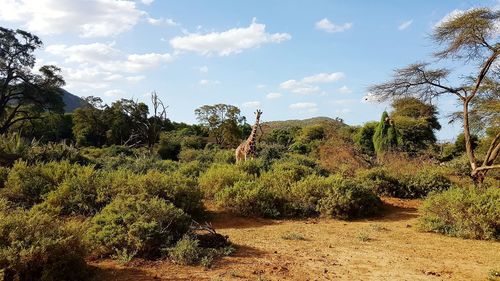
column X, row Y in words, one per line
column 208, row 82
column 299, row 87
column 98, row 65
column 106, row 57
column 147, row 2
column 274, row 96
column 306, row 85
column 344, row 90
column 330, row 27
column 261, row 86
column 305, row 106
column 114, row 93
column 323, row 78
column 94, row 18
column 203, row 69
column 228, row 42
column 404, row 25
column 251, row 104
column 162, row 21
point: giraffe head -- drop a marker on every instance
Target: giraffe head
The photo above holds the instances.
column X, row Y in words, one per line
column 258, row 113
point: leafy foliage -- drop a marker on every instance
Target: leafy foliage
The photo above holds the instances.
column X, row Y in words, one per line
column 464, row 212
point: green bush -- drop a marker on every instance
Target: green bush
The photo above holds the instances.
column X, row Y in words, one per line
column 192, row 169
column 79, row 194
column 182, row 191
column 418, row 185
column 249, row 198
column 189, row 155
column 224, row 156
column 137, row 226
column 54, row 152
column 471, row 213
column 186, row 251
column 169, row 147
column 305, row 194
column 4, row 173
column 36, row 246
column 383, row 183
column 27, row 185
column 220, row 176
column 252, row 166
column 348, row 199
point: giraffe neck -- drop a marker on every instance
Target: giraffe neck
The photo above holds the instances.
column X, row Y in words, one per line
column 251, row 139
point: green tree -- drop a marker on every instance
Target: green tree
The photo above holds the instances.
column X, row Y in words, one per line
column 222, row 122
column 385, row 137
column 416, row 122
column 25, row 95
column 472, row 37
column 364, row 137
column 89, row 123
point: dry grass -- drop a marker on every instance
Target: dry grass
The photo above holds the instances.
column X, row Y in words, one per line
column 332, row 251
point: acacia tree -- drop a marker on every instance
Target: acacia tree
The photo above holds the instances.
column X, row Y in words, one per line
column 472, row 37
column 222, row 122
column 25, row 95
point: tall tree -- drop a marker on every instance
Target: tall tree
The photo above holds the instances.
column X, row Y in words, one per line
column 25, row 95
column 89, row 123
column 470, row 36
column 385, row 137
column 222, row 122
column 416, row 122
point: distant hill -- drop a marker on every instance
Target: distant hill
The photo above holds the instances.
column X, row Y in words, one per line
column 302, row 123
column 71, row 102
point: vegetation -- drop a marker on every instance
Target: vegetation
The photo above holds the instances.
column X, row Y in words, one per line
column 123, row 181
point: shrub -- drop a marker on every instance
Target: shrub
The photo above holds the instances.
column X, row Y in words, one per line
column 36, row 246
column 382, row 182
column 4, row 173
column 194, row 142
column 471, row 213
column 140, row 165
column 188, row 155
column 192, row 169
column 138, row 226
column 418, row 185
column 220, row 176
column 186, row 251
column 169, row 147
column 252, row 166
column 27, row 185
column 249, row 198
column 347, row 199
column 270, row 153
column 54, row 152
column 79, row 194
column 182, row 191
column 305, row 194
column 224, row 156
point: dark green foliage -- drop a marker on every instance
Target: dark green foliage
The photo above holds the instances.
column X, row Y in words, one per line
column 186, row 251
column 383, row 183
column 219, row 177
column 421, row 183
column 249, row 198
column 464, row 212
column 459, row 145
column 25, row 95
column 27, row 185
column 169, row 147
column 36, row 246
column 54, row 152
column 364, row 137
column 271, row 152
column 137, row 226
column 4, row 173
column 312, row 133
column 222, row 121
column 385, row 137
column 284, row 137
column 348, row 199
column 51, row 127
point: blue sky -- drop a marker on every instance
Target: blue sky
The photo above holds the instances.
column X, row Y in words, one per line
column 293, row 59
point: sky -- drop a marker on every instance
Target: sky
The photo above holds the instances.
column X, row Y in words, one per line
column 292, row 59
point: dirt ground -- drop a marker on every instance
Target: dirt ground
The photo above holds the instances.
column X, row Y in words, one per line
column 384, row 248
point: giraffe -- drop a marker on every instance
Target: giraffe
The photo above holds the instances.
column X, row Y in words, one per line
column 247, row 148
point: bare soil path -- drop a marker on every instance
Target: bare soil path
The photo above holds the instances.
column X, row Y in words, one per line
column 384, row 248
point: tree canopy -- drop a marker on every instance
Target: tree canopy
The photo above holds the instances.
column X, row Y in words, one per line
column 470, row 36
column 25, row 95
column 222, row 121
